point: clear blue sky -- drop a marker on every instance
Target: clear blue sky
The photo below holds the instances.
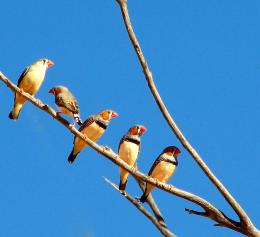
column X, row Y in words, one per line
column 205, row 58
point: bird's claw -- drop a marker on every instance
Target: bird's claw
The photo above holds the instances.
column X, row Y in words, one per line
column 138, row 199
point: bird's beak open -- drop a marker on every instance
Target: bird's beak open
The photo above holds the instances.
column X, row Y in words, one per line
column 51, row 91
column 143, row 129
column 50, row 63
column 114, row 115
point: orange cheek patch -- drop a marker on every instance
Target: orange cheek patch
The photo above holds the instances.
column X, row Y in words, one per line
column 169, row 153
column 105, row 115
column 134, row 131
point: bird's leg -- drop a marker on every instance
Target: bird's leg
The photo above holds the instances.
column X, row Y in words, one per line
column 58, row 113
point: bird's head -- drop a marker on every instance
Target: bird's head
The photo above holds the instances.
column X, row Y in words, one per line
column 171, row 151
column 44, row 62
column 108, row 114
column 57, row 90
column 137, row 130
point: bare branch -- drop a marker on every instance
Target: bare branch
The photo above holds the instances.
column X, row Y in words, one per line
column 163, row 229
column 245, row 220
column 215, row 214
column 151, row 202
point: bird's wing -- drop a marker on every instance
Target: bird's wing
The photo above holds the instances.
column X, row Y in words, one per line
column 120, row 143
column 69, row 103
column 22, row 76
column 88, row 122
column 156, row 162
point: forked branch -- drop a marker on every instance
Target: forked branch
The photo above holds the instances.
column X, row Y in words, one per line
column 214, row 213
column 245, row 221
column 162, row 228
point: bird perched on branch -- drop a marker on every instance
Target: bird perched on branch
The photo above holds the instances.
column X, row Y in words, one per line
column 93, row 128
column 30, row 82
column 66, row 103
column 128, row 150
column 162, row 169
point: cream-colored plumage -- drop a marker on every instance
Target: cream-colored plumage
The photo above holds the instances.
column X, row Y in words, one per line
column 162, row 172
column 93, row 132
column 128, row 151
column 93, row 128
column 162, row 169
column 30, row 82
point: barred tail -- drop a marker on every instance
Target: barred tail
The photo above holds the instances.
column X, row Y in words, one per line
column 77, row 119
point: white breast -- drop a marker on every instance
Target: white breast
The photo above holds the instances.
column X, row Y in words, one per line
column 128, row 152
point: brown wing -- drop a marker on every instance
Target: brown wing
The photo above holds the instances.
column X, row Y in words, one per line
column 120, row 143
column 156, row 162
column 89, row 121
column 22, row 76
column 70, row 104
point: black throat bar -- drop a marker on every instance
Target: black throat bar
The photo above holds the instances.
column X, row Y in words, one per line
column 132, row 140
column 100, row 124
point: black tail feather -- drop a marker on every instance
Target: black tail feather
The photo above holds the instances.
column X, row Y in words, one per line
column 72, row 157
column 11, row 115
column 144, row 197
column 79, row 122
column 122, row 186
column 77, row 119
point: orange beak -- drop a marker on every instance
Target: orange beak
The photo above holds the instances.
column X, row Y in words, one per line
column 177, row 151
column 114, row 115
column 50, row 63
column 51, row 91
column 143, row 129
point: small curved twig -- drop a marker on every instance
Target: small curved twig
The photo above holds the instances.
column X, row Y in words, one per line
column 163, row 229
column 244, row 219
column 215, row 214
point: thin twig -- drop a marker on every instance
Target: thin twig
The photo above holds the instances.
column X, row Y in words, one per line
column 164, row 230
column 215, row 214
column 151, row 202
column 245, row 220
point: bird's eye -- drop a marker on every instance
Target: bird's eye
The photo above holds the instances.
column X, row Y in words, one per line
column 44, row 61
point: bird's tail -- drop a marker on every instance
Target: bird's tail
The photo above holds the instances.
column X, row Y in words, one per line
column 72, row 157
column 122, row 185
column 77, row 119
column 144, row 197
column 14, row 114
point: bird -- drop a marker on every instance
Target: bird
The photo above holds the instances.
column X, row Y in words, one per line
column 93, row 128
column 128, row 150
column 30, row 82
column 66, row 103
column 162, row 169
